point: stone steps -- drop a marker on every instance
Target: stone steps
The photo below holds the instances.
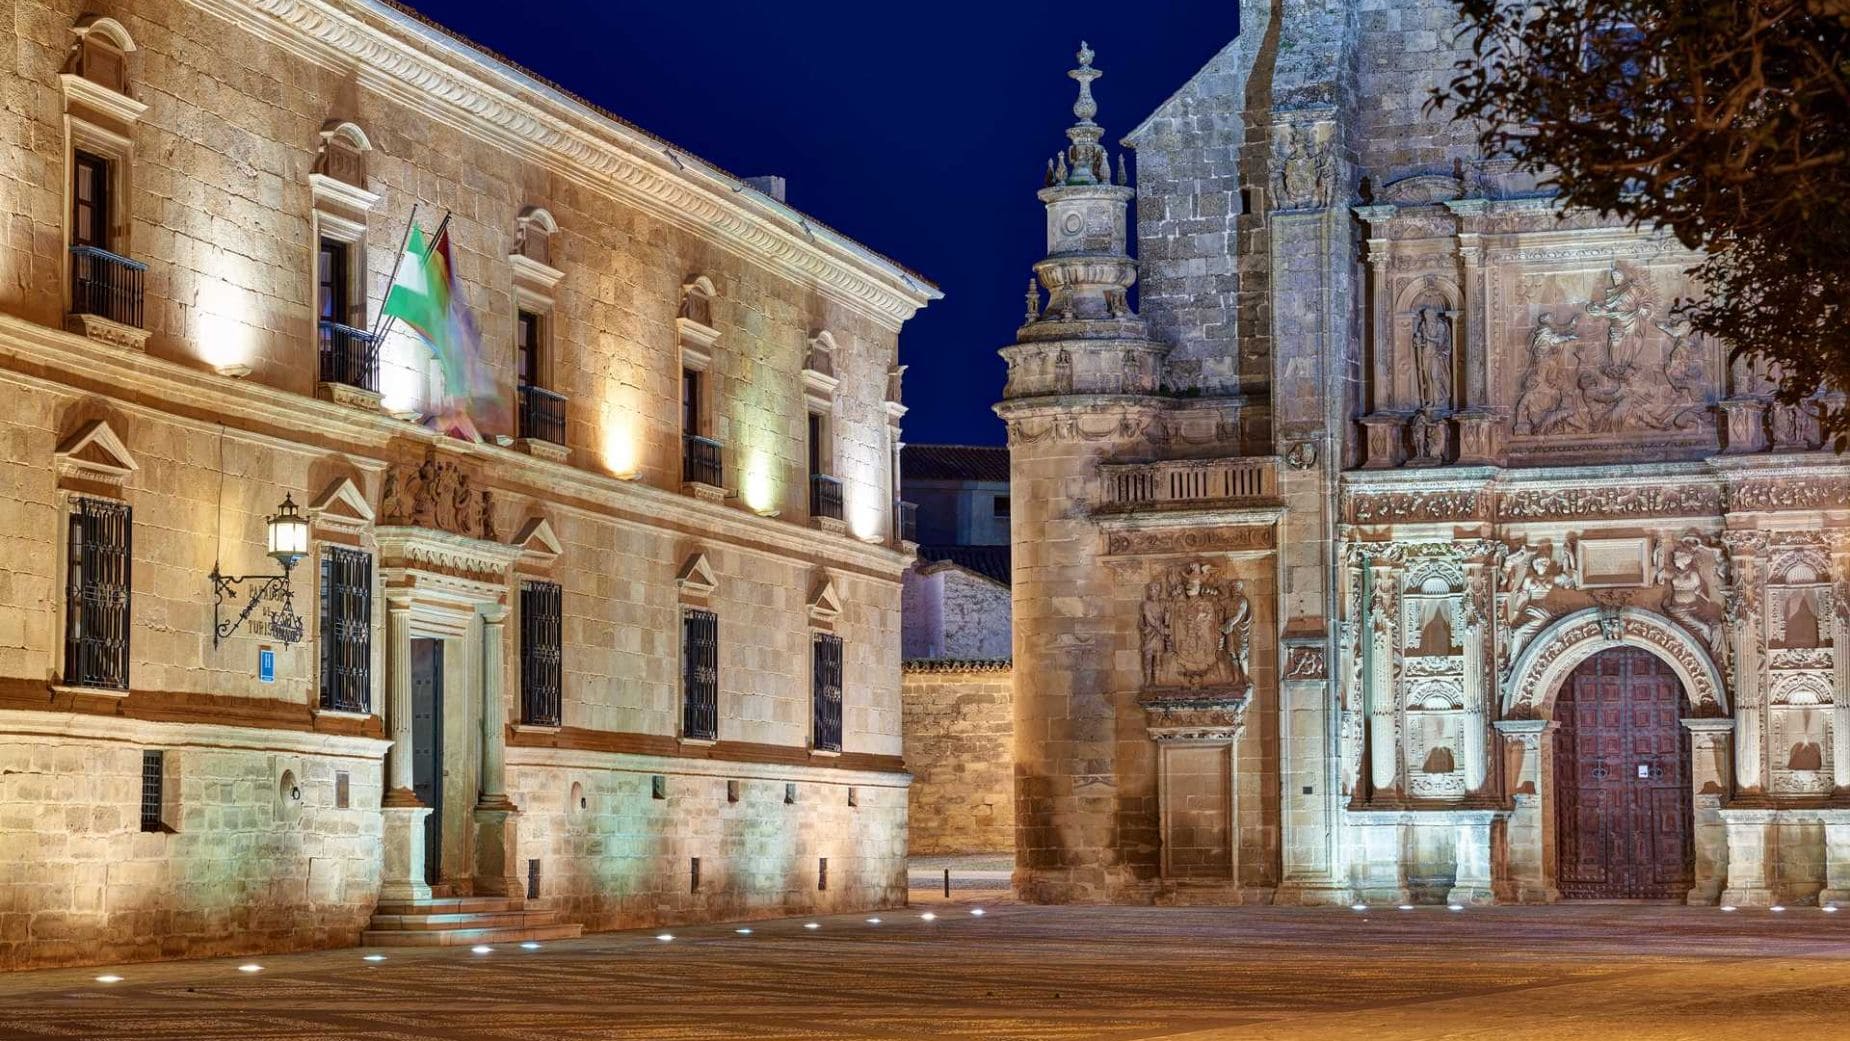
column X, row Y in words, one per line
column 463, row 921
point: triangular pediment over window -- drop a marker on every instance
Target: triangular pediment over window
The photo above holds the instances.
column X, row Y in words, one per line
column 696, row 576
column 538, row 543
column 340, row 507
column 95, row 454
column 824, row 601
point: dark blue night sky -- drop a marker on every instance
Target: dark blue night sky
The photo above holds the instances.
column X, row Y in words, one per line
column 920, row 130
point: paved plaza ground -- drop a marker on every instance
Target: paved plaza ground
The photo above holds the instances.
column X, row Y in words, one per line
column 1636, row 973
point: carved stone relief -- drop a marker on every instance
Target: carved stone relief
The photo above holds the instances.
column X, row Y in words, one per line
column 1195, row 631
column 437, row 493
column 1306, row 163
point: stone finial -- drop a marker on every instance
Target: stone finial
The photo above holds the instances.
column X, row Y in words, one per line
column 1049, row 181
column 1034, row 301
column 1086, row 155
column 1123, row 179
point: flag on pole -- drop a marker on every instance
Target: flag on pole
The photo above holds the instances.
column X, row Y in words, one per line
column 424, row 296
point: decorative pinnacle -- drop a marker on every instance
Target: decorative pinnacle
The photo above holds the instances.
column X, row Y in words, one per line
column 1085, row 108
column 1085, row 154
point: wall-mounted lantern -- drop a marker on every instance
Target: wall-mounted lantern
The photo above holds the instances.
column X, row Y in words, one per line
column 288, row 542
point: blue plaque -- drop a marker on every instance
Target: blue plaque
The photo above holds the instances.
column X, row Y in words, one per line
column 266, row 665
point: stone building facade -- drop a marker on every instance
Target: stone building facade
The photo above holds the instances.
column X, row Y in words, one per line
column 632, row 658
column 1403, row 545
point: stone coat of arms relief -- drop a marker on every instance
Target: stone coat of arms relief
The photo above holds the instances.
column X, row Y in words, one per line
column 1195, row 632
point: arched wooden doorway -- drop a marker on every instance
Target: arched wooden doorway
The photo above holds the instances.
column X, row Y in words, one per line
column 1621, row 778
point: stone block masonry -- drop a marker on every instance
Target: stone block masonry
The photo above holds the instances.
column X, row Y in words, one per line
column 959, row 728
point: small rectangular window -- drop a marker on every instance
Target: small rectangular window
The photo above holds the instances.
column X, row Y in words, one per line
column 331, row 281
column 528, row 327
column 693, row 875
column 343, row 790
column 818, row 434
column 658, row 786
column 732, row 791
column 533, row 878
column 153, row 771
column 690, row 403
column 822, row 873
column 790, row 794
column 700, row 674
column 346, row 630
column 90, row 200
column 96, row 609
column 541, row 659
column 826, row 691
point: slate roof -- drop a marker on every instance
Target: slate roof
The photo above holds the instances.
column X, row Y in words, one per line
column 954, row 463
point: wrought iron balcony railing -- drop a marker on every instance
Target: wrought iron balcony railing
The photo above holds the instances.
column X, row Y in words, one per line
column 106, row 285
column 700, row 461
column 542, row 414
column 349, row 356
column 825, row 498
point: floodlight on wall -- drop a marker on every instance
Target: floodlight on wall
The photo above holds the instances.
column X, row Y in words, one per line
column 287, row 542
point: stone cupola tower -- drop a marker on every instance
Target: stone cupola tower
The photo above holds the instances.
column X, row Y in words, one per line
column 1082, row 385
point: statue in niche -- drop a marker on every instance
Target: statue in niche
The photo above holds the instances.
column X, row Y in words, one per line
column 1196, row 633
column 1432, row 355
column 1687, row 600
column 1530, row 577
column 1542, row 405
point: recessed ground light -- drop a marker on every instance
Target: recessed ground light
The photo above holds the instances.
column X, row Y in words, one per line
column 873, row 921
column 743, row 932
column 1776, row 907
column 977, row 911
column 1727, row 907
column 928, row 916
column 529, row 946
column 481, row 948
column 812, row 925
column 372, row 957
column 664, row 937
column 1454, row 907
column 1406, row 907
column 109, row 979
column 252, row 967
column 1829, row 908
column 1358, row 907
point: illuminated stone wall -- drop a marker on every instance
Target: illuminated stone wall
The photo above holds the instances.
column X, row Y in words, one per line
column 206, row 417
column 960, row 727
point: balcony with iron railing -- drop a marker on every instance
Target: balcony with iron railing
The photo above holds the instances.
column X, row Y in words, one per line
column 542, row 414
column 905, row 521
column 1180, row 483
column 106, row 286
column 825, row 497
column 700, row 461
column 349, row 357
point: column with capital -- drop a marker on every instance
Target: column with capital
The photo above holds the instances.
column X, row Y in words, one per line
column 402, row 870
column 497, row 821
column 1742, row 609
column 1529, row 759
column 1711, row 776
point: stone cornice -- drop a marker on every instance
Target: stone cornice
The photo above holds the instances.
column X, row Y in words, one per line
column 394, row 53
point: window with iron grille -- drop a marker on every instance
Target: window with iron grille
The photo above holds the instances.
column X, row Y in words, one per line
column 153, row 770
column 699, row 674
column 540, row 658
column 346, row 630
column 96, row 608
column 825, row 691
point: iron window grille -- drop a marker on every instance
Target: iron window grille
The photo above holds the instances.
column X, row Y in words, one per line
column 106, row 285
column 699, row 674
column 700, row 460
column 541, row 661
column 825, row 691
column 542, row 414
column 346, row 630
column 96, row 621
column 349, row 356
column 153, row 770
column 825, row 496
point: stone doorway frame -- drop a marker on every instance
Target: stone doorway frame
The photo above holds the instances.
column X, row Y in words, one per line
column 1528, row 728
column 456, row 589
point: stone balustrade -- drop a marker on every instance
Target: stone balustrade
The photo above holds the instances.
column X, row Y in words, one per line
column 1175, row 481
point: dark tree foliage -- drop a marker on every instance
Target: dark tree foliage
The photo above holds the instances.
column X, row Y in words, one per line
column 1726, row 122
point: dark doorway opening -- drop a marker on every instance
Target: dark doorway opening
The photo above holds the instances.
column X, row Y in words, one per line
column 427, row 747
column 1625, row 819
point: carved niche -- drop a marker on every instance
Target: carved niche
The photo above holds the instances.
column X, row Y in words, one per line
column 1800, row 614
column 437, row 493
column 1195, row 632
column 1432, row 667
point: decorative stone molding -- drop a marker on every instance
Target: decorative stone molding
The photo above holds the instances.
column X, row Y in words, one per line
column 695, row 576
column 1205, row 715
column 1407, row 506
column 1234, row 539
column 1559, row 648
column 824, row 602
column 675, row 186
column 482, row 565
column 1305, row 661
column 102, row 330
column 94, row 455
column 1593, row 500
column 539, row 546
column 956, row 665
column 341, row 508
column 1809, row 492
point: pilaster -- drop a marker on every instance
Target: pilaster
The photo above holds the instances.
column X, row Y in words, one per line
column 1529, row 760
column 1711, row 776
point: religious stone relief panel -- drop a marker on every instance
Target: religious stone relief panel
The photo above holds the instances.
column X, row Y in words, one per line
column 1594, row 363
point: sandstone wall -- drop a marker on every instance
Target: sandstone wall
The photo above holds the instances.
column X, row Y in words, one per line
column 959, row 726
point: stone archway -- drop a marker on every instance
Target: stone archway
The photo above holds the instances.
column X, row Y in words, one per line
column 1528, row 725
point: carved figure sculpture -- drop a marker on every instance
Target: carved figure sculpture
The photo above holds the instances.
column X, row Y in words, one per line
column 1236, row 634
column 1432, row 353
column 1306, row 169
column 1543, row 402
column 1688, row 600
column 1427, row 433
column 1152, row 630
column 1529, row 578
column 1624, row 305
column 1683, row 368
column 1195, row 633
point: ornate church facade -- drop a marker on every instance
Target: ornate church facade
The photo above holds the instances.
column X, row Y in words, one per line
column 1405, row 546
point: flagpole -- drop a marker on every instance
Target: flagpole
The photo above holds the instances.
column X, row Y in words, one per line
column 383, row 323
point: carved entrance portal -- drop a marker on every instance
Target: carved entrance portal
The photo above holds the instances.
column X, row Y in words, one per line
column 1622, row 769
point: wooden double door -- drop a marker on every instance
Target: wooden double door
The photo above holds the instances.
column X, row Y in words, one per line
column 1622, row 781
